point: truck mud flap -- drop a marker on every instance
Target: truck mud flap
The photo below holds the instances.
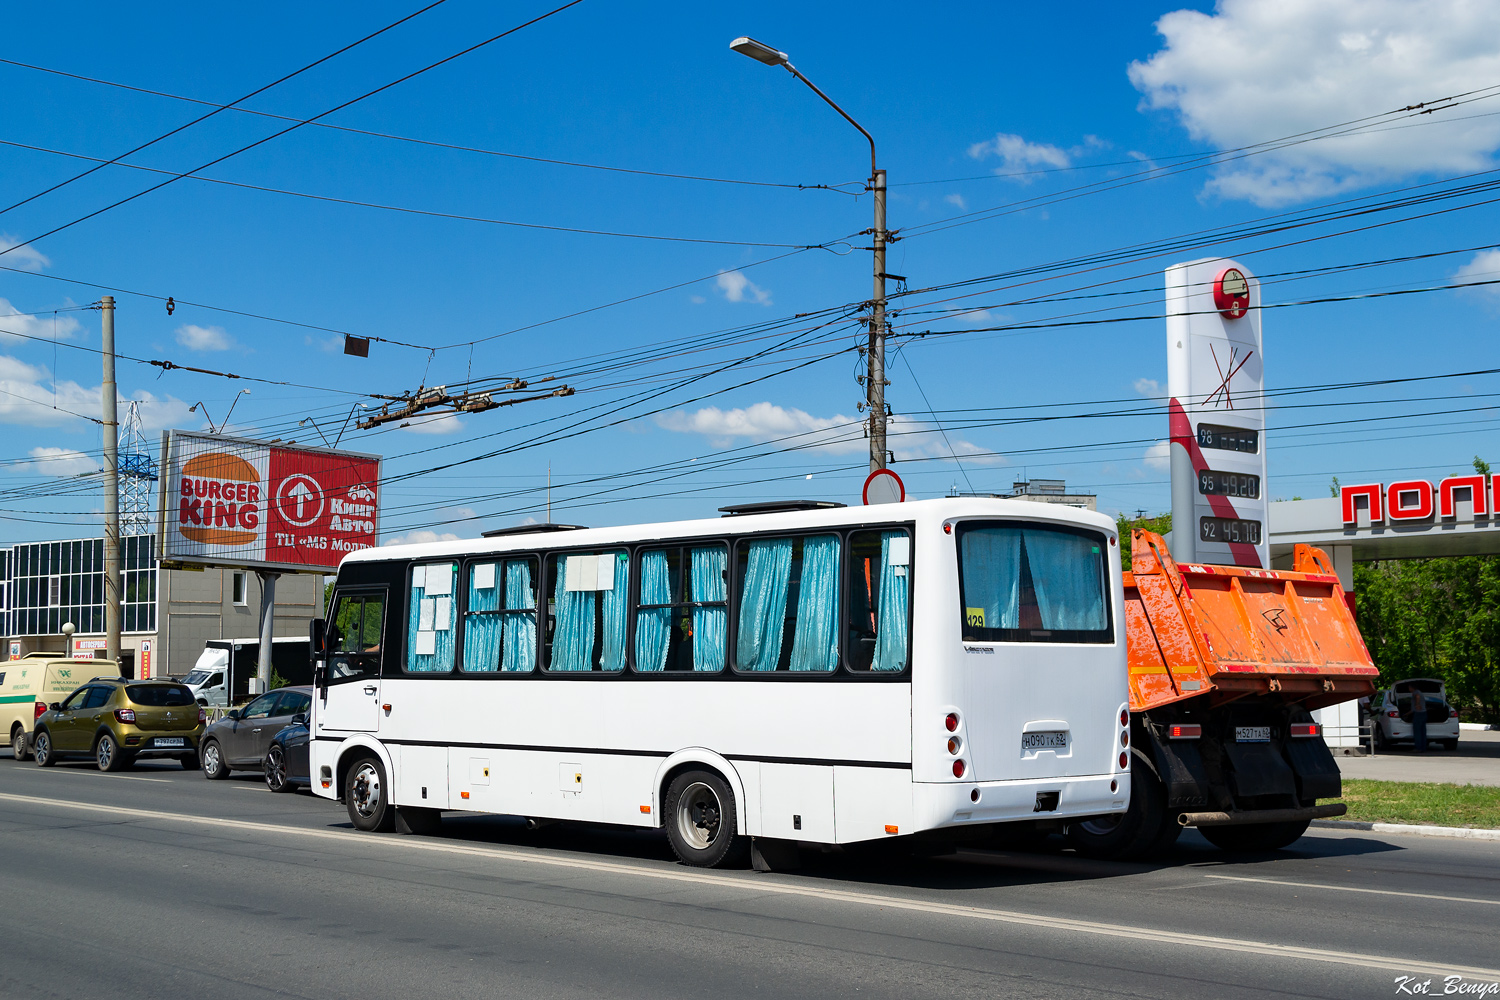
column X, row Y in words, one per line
column 1180, row 767
column 1317, row 773
column 1257, row 769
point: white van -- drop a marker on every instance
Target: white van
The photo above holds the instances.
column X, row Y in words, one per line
column 226, row 667
column 29, row 684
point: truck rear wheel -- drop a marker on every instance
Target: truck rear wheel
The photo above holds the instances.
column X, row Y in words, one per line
column 1132, row 833
column 1255, row 836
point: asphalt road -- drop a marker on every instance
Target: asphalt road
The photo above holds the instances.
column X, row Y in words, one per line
column 157, row 883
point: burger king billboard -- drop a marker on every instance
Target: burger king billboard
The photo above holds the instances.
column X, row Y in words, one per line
column 238, row 502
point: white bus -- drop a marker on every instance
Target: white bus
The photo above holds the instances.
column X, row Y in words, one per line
column 790, row 672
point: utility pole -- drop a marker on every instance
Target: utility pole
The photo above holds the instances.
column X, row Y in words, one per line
column 875, row 352
column 112, row 594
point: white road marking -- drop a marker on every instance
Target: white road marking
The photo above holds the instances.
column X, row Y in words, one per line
column 761, row 885
column 1351, row 888
column 98, row 774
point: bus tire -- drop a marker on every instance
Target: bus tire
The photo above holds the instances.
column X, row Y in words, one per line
column 1130, row 834
column 20, row 744
column 214, row 767
column 368, row 797
column 42, row 749
column 701, row 819
column 1253, row 837
column 418, row 821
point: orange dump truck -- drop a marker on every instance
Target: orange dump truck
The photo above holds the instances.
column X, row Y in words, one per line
column 1226, row 665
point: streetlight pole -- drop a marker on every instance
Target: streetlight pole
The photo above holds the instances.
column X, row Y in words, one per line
column 875, row 382
column 111, row 424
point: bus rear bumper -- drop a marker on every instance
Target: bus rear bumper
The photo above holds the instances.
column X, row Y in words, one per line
column 951, row 804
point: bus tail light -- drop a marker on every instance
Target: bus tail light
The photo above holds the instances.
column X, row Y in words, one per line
column 953, row 744
column 951, row 722
column 1125, row 717
column 1124, row 761
column 959, row 768
column 1304, row 729
column 125, row 715
column 1124, row 737
column 1184, row 731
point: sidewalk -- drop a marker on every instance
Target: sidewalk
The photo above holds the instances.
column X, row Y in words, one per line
column 1475, row 762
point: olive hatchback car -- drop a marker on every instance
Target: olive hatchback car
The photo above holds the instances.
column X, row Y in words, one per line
column 114, row 721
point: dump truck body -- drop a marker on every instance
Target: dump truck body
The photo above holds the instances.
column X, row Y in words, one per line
column 1226, row 665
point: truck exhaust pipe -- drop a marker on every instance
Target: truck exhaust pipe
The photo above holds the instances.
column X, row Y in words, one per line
column 1261, row 816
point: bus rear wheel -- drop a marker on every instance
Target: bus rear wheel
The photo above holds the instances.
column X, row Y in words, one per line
column 701, row 819
column 1133, row 833
column 368, row 798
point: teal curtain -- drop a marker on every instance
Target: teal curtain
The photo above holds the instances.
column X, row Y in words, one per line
column 768, row 570
column 616, row 600
column 440, row 660
column 815, row 643
column 519, row 643
column 482, row 625
column 573, row 634
column 710, row 625
column 653, row 626
column 891, row 617
column 991, row 560
column 1067, row 578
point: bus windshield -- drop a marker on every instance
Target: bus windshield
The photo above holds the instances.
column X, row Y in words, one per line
column 1029, row 583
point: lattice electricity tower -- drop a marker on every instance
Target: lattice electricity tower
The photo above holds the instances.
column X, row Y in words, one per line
column 137, row 474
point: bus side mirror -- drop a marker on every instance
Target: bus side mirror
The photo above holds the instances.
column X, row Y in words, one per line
column 317, row 634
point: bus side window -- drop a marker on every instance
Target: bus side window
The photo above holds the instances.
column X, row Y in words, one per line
column 681, row 620
column 789, row 604
column 879, row 607
column 355, row 636
column 586, row 615
column 500, row 617
column 430, row 636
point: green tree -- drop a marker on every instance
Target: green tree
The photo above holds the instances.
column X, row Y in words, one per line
column 1159, row 523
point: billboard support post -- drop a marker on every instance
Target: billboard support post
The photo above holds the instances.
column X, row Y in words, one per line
column 267, row 629
column 112, row 590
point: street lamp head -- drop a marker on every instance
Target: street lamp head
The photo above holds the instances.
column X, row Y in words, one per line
column 758, row 51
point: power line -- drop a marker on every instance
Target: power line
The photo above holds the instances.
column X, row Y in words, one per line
column 291, row 128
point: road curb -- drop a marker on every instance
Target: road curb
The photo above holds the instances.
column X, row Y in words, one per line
column 1410, row 829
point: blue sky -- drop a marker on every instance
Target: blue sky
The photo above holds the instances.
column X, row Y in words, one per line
column 1052, row 98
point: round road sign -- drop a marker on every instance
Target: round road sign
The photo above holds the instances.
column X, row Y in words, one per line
column 884, row 486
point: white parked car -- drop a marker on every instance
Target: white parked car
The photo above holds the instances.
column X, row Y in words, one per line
column 1392, row 714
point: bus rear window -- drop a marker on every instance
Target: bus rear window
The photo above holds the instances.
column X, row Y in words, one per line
column 1032, row 583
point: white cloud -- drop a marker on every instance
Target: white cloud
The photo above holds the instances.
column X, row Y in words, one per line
column 1256, row 70
column 421, row 536
column 697, row 300
column 15, row 325
column 1016, row 153
column 1159, row 456
column 974, row 316
column 57, row 462
column 445, row 423
column 1149, row 387
column 30, row 397
column 1484, row 267
column 837, row 435
column 957, row 201
column 737, row 288
column 27, row 258
column 204, row 338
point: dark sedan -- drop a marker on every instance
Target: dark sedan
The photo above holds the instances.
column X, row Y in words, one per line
column 239, row 741
column 286, row 760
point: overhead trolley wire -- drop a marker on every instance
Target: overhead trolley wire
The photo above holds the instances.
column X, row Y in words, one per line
column 298, row 124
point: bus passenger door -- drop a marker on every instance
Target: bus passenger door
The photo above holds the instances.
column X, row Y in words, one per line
column 349, row 699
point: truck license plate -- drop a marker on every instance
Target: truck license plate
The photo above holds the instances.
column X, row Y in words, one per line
column 1044, row 741
column 169, row 741
column 1252, row 734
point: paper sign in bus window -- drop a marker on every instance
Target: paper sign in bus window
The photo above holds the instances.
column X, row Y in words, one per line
column 439, row 580
column 899, row 552
column 974, row 617
column 419, row 576
column 484, row 576
column 442, row 613
column 589, row 572
column 426, row 643
column 426, row 614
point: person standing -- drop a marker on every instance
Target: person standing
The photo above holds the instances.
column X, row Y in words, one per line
column 1418, row 721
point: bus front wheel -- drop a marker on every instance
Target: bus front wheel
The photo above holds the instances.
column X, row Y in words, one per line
column 701, row 819
column 368, row 798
